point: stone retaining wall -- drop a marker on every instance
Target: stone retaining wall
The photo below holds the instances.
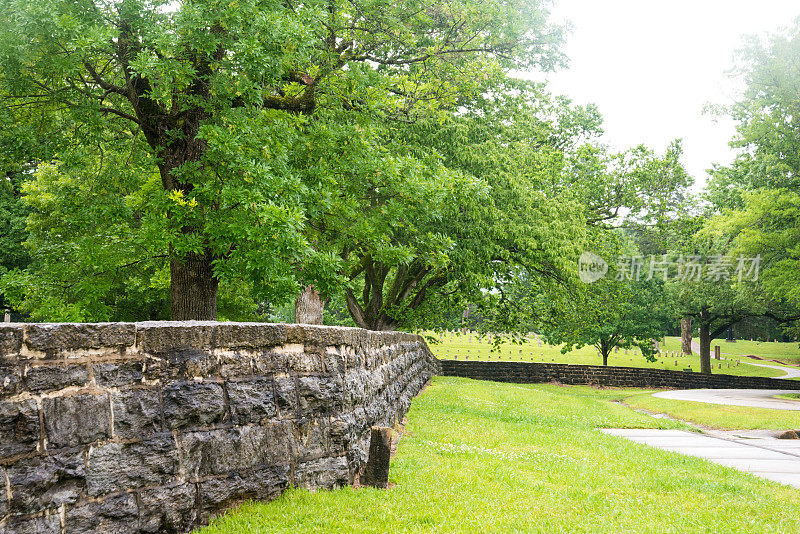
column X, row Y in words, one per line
column 157, row 427
column 526, row 373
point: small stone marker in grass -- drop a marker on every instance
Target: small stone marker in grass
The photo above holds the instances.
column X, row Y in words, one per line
column 376, row 473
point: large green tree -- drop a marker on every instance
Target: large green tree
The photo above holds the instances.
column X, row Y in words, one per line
column 220, row 94
column 756, row 197
column 455, row 212
column 619, row 310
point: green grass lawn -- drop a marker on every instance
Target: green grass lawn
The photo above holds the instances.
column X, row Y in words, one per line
column 718, row 415
column 489, row 457
column 460, row 346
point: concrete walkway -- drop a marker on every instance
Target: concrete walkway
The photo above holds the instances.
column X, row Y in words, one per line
column 751, row 398
column 756, row 452
column 791, row 372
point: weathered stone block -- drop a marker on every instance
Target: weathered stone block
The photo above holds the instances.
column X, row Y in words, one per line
column 286, row 395
column 354, row 386
column 159, row 368
column 10, row 379
column 193, row 404
column 68, row 336
column 48, row 524
column 318, row 393
column 196, row 363
column 234, row 364
column 117, row 374
column 310, row 438
column 118, row 515
column 181, row 364
column 53, row 377
column 76, row 419
column 10, row 339
column 3, row 496
column 137, row 413
column 335, row 361
column 116, row 467
column 216, row 452
column 261, row 483
column 162, row 336
column 344, row 430
column 19, row 427
column 304, row 361
column 250, row 335
column 168, row 508
column 251, row 401
column 311, row 334
column 268, row 361
column 328, row 473
column 45, row 482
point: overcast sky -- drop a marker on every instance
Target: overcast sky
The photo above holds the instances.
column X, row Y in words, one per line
column 652, row 65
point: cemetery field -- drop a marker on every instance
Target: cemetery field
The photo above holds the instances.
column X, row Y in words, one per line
column 489, row 457
column 719, row 416
column 773, row 350
column 460, row 346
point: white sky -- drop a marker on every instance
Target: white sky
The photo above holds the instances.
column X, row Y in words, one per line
column 652, row 65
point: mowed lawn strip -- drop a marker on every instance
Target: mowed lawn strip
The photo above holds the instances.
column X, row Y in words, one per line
column 718, row 416
column 460, row 346
column 488, row 457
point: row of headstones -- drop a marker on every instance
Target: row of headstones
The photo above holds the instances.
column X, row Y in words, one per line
column 531, row 356
column 533, row 336
column 489, row 354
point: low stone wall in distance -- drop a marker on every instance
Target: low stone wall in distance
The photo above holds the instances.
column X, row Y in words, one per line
column 157, row 427
column 597, row 375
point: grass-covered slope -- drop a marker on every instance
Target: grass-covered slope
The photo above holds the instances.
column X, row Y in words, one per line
column 488, row 457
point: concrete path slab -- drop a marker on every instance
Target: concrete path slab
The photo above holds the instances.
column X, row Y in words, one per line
column 762, row 455
column 791, row 372
column 752, row 398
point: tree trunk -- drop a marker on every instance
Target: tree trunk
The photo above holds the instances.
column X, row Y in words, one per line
column 193, row 288
column 604, row 351
column 686, row 335
column 705, row 348
column 309, row 306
